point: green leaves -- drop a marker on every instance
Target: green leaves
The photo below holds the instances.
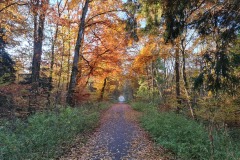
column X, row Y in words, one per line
column 44, row 133
column 131, row 22
column 186, row 138
column 6, row 63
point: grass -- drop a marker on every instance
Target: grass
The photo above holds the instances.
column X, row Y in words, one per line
column 187, row 138
column 44, row 134
column 143, row 107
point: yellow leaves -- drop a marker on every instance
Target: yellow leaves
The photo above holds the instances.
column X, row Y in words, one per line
column 74, row 4
column 104, row 45
column 148, row 49
column 146, row 56
column 12, row 19
column 210, row 94
column 221, row 109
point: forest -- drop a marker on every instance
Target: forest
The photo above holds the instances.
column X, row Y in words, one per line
column 65, row 63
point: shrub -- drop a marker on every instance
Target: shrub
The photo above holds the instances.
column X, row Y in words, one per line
column 44, row 134
column 225, row 147
column 185, row 137
column 143, row 107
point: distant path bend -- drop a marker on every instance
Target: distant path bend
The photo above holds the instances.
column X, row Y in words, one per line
column 119, row 137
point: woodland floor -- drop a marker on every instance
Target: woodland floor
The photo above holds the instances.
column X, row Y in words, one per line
column 119, row 137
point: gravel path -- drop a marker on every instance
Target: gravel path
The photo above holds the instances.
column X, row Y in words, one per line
column 119, row 137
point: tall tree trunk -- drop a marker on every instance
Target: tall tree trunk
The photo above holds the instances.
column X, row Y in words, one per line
column 54, row 39
column 148, row 81
column 159, row 88
column 61, row 64
column 69, row 56
column 103, row 89
column 39, row 19
column 177, row 80
column 69, row 50
column 184, row 70
column 35, row 38
column 58, row 94
column 185, row 82
column 73, row 79
column 38, row 8
column 152, row 80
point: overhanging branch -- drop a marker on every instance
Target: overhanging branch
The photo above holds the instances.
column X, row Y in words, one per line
column 12, row 4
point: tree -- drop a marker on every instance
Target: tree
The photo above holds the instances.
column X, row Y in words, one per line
column 6, row 63
column 131, row 23
column 219, row 26
column 13, row 20
column 54, row 39
column 39, row 9
column 75, row 69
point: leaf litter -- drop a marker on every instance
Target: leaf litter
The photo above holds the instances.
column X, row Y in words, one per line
column 119, row 137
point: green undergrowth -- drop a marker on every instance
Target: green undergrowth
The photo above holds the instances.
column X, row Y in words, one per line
column 186, row 138
column 143, row 106
column 44, row 135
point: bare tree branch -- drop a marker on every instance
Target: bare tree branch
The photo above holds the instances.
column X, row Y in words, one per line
column 12, row 4
column 116, row 10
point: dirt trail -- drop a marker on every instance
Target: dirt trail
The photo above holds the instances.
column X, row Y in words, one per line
column 119, row 137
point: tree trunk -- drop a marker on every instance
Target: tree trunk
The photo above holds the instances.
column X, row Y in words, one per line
column 59, row 91
column 73, row 79
column 69, row 51
column 186, row 83
column 152, row 80
column 184, row 70
column 69, row 56
column 103, row 89
column 39, row 19
column 54, row 39
column 177, row 80
column 61, row 64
